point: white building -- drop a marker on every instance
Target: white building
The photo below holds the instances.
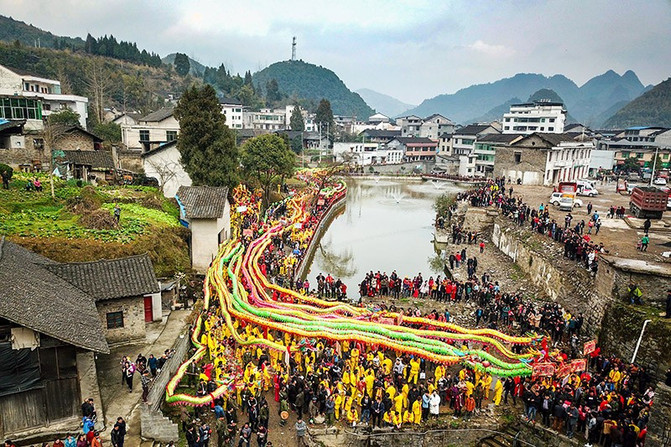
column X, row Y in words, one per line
column 205, row 210
column 540, row 116
column 151, row 131
column 265, row 119
column 364, row 154
column 163, row 163
column 232, row 110
column 24, row 96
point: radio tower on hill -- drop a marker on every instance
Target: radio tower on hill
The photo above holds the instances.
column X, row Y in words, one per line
column 293, row 49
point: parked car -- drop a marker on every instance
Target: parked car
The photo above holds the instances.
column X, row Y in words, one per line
column 630, row 187
column 587, row 191
column 659, row 181
column 556, row 197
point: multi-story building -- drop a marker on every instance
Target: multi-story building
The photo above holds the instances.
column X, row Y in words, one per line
column 232, row 110
column 27, row 97
column 543, row 159
column 430, row 127
column 463, row 140
column 264, row 119
column 415, row 149
column 151, row 131
column 539, row 116
column 484, row 151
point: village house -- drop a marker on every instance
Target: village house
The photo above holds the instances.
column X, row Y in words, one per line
column 484, row 150
column 163, row 164
column 415, row 149
column 49, row 335
column 463, row 139
column 125, row 291
column 206, row 211
column 24, row 96
column 543, row 159
column 151, row 131
column 379, row 135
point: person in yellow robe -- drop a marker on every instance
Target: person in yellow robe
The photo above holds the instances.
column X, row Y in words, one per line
column 487, row 384
column 338, row 404
column 498, row 391
column 417, row 411
column 414, row 371
column 398, row 403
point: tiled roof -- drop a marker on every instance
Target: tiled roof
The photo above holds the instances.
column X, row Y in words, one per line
column 379, row 133
column 499, row 138
column 99, row 159
column 33, row 297
column 159, row 115
column 111, row 278
column 203, row 202
column 553, row 139
column 415, row 140
column 5, row 124
column 471, row 129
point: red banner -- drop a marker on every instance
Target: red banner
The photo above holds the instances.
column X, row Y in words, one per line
column 589, row 347
column 564, row 370
column 579, row 365
column 543, row 369
column 248, row 232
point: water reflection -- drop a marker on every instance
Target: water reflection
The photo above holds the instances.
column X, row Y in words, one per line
column 387, row 225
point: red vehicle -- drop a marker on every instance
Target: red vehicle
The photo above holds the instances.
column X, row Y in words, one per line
column 648, row 202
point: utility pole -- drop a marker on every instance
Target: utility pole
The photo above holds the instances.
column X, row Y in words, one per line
column 654, row 164
column 293, row 49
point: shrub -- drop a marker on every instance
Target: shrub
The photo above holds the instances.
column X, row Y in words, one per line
column 7, row 168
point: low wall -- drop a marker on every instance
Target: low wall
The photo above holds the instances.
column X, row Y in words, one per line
column 153, row 425
column 331, row 213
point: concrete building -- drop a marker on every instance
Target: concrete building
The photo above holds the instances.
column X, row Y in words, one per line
column 233, row 111
column 415, row 149
column 126, row 292
column 463, row 139
column 539, row 117
column 49, row 335
column 430, row 127
column 484, row 150
column 206, row 212
column 364, row 154
column 265, row 119
column 379, row 135
column 151, row 131
column 30, row 97
column 163, row 163
column 544, row 159
column 378, row 118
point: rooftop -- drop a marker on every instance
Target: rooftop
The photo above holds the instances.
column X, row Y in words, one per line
column 99, row 159
column 472, row 129
column 158, row 115
column 34, row 297
column 111, row 278
column 203, row 202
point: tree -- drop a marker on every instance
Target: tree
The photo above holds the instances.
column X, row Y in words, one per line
column 64, row 118
column 273, row 94
column 324, row 116
column 267, row 159
column 182, row 64
column 206, row 144
column 97, row 80
column 109, row 132
column 296, row 121
column 631, row 164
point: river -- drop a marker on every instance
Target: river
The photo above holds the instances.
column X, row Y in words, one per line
column 386, row 225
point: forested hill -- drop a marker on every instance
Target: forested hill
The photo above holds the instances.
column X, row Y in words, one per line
column 12, row 30
column 307, row 81
column 653, row 108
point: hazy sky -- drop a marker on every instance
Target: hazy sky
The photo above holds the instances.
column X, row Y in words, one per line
column 410, row 49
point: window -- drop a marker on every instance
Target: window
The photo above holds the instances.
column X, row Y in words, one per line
column 518, row 157
column 114, row 320
column 639, row 155
column 552, row 120
column 38, row 143
column 170, row 135
column 550, row 129
column 144, row 135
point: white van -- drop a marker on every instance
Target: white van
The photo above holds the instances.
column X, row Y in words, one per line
column 585, row 184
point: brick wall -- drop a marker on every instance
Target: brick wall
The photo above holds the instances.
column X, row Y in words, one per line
column 26, row 155
column 133, row 318
column 75, row 140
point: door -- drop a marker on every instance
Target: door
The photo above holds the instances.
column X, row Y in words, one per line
column 148, row 310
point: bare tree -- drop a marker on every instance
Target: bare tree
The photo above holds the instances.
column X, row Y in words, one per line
column 97, row 80
column 165, row 171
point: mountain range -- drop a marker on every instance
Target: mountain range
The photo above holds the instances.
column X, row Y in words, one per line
column 587, row 103
column 604, row 100
column 385, row 104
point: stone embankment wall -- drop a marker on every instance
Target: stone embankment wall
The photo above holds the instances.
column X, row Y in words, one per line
column 562, row 281
column 306, row 261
